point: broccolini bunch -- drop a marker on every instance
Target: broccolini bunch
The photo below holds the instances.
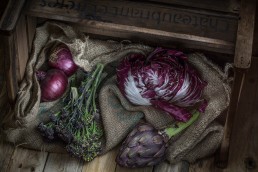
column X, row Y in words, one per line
column 77, row 122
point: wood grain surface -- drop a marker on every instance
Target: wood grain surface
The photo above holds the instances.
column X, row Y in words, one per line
column 245, row 33
column 218, row 5
column 62, row 163
column 10, row 15
column 25, row 160
column 243, row 152
column 145, row 21
column 143, row 14
column 21, row 44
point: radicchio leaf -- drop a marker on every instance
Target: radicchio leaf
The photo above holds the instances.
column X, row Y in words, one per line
column 164, row 79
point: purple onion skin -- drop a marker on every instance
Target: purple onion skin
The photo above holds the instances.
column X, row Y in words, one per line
column 53, row 86
column 61, row 58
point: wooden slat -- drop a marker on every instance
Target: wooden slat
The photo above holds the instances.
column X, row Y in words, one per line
column 144, row 169
column 9, row 56
column 106, row 31
column 21, row 44
column 166, row 167
column 243, row 150
column 242, row 61
column 245, row 33
column 205, row 165
column 152, row 16
column 155, row 37
column 105, row 163
column 222, row 155
column 6, row 152
column 228, row 6
column 124, row 19
column 10, row 16
column 62, row 163
column 31, row 29
column 27, row 160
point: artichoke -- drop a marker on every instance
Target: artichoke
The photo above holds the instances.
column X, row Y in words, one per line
column 164, row 80
column 146, row 146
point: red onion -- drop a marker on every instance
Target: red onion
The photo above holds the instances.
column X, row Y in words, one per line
column 61, row 58
column 53, row 84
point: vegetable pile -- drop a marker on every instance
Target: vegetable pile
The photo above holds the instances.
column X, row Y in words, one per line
column 164, row 79
column 77, row 123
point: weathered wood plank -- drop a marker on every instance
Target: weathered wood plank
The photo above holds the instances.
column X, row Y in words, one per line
column 31, row 23
column 8, row 47
column 144, row 169
column 21, row 44
column 123, row 19
column 245, row 33
column 231, row 6
column 242, row 61
column 154, row 37
column 6, row 152
column 166, row 167
column 10, row 15
column 62, row 163
column 243, row 150
column 205, row 165
column 223, row 153
column 27, row 160
column 105, row 163
column 153, row 16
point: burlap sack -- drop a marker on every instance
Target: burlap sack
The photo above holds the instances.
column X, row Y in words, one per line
column 199, row 140
column 120, row 116
column 20, row 123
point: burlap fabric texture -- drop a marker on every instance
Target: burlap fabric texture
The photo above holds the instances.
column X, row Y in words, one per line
column 118, row 115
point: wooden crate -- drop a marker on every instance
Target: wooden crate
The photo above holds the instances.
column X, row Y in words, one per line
column 223, row 26
column 146, row 21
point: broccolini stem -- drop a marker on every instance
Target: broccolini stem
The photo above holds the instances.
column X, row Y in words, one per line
column 97, row 71
column 95, row 86
column 89, row 83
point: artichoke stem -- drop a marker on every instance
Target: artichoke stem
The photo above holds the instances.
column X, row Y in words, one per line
column 180, row 126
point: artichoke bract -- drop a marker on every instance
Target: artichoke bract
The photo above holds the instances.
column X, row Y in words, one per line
column 164, row 79
column 146, row 146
